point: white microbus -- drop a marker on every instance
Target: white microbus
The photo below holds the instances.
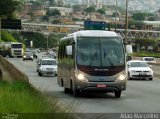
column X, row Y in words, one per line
column 92, row 61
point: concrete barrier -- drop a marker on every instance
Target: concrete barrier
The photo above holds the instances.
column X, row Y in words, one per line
column 1, row 74
column 13, row 71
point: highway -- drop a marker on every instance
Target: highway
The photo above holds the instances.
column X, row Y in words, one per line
column 140, row 96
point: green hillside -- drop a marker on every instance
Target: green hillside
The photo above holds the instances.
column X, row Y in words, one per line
column 7, row 37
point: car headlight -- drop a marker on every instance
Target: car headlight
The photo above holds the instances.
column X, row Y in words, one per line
column 81, row 77
column 24, row 56
column 31, row 56
column 43, row 69
column 132, row 71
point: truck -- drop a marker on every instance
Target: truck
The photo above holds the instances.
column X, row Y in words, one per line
column 11, row 49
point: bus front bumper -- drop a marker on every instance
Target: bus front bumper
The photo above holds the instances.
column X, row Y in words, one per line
column 101, row 86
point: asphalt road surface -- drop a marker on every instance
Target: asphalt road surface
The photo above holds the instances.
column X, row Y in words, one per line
column 140, row 96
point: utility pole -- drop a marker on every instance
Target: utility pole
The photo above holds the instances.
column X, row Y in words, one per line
column 116, row 17
column 0, row 28
column 46, row 34
column 126, row 21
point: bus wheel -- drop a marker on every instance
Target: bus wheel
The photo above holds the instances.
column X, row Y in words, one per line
column 117, row 94
column 67, row 90
column 76, row 92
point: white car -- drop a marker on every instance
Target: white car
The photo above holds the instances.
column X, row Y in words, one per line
column 47, row 67
column 137, row 69
column 149, row 59
column 28, row 56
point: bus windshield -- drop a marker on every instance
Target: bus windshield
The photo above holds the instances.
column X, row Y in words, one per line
column 100, row 52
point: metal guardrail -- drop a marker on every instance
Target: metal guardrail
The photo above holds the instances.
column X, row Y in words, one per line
column 35, row 27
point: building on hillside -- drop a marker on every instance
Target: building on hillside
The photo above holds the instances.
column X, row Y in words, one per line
column 63, row 10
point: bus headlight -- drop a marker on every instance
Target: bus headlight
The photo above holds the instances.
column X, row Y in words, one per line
column 81, row 77
column 121, row 77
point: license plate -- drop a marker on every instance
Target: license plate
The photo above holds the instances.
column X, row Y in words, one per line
column 101, row 85
column 49, row 72
column 142, row 74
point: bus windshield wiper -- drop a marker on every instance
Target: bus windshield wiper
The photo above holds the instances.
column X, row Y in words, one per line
column 110, row 62
column 92, row 59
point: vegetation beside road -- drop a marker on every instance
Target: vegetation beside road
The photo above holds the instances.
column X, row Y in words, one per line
column 18, row 96
column 146, row 54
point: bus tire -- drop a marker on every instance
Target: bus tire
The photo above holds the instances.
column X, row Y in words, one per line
column 76, row 93
column 66, row 90
column 117, row 94
column 74, row 90
column 39, row 74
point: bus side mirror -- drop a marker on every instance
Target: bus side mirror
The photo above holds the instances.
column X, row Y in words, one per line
column 129, row 49
column 69, row 49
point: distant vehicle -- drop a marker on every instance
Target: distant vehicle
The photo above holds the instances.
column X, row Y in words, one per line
column 34, row 51
column 28, row 56
column 35, row 54
column 47, row 67
column 137, row 69
column 51, row 53
column 11, row 49
column 38, row 50
column 149, row 59
column 83, row 66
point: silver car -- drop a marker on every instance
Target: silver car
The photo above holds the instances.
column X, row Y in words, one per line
column 28, row 56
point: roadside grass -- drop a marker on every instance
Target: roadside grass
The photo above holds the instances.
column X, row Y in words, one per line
column 17, row 96
column 145, row 54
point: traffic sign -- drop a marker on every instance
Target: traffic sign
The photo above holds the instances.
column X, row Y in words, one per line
column 10, row 24
column 94, row 25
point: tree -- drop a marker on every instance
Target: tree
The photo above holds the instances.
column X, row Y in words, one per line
column 135, row 24
column 7, row 8
column 54, row 12
column 139, row 16
column 52, row 2
column 55, row 21
column 90, row 9
column 45, row 18
column 31, row 14
column 101, row 11
column 77, row 8
column 6, row 36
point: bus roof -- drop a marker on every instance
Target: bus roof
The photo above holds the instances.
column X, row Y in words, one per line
column 94, row 33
